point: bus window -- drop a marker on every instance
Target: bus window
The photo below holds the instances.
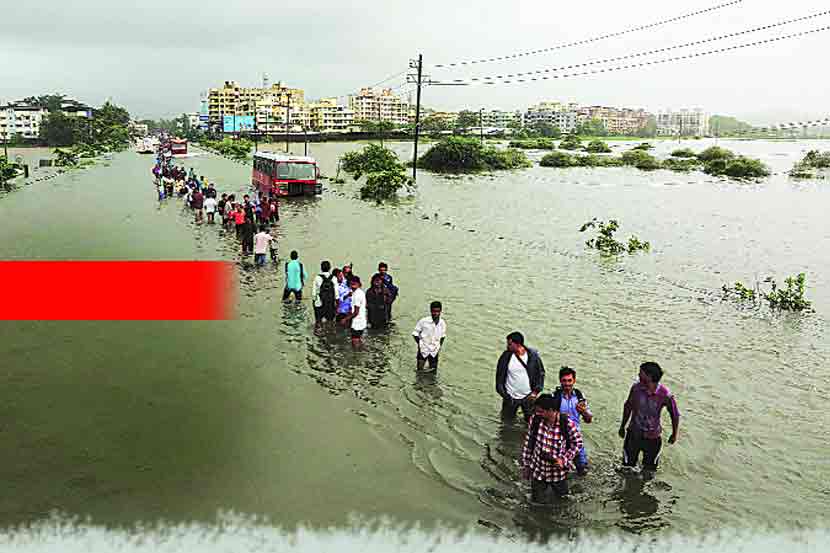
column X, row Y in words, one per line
column 296, row 171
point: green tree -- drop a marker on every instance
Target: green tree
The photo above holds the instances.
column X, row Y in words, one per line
column 58, row 129
column 52, row 102
column 434, row 125
column 466, row 119
column 546, row 130
column 649, row 130
column 592, row 127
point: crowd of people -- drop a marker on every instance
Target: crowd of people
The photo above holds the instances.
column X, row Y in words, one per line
column 250, row 218
column 553, row 447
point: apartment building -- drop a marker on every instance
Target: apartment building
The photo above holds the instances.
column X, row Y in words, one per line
column 617, row 121
column 19, row 119
column 554, row 113
column 326, row 116
column 684, row 122
column 501, row 119
column 371, row 105
column 269, row 104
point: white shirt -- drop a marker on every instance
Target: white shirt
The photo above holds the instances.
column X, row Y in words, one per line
column 261, row 241
column 210, row 205
column 430, row 335
column 360, row 322
column 318, row 282
column 517, row 384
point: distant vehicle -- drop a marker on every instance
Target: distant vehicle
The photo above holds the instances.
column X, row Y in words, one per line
column 146, row 147
column 178, row 146
column 285, row 175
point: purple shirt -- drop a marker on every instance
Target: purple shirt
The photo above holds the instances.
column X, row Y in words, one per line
column 646, row 408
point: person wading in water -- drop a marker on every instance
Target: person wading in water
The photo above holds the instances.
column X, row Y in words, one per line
column 520, row 377
column 552, row 442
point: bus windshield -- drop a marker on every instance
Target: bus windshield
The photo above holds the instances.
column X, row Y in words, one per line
column 296, row 171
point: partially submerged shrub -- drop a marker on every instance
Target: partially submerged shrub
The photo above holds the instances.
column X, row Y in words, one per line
column 558, row 159
column 571, row 142
column 384, row 185
column 811, row 166
column 373, row 158
column 597, row 147
column 458, row 154
column 605, row 241
column 542, row 143
column 715, row 153
column 643, row 146
column 737, row 167
column 684, row 152
column 790, row 298
column 682, row 165
column 640, row 159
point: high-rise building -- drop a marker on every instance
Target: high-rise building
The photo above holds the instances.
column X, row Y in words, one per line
column 269, row 105
column 371, row 105
column 21, row 119
column 328, row 117
column 685, row 122
column 553, row 113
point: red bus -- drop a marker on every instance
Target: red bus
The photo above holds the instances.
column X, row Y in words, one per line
column 178, row 146
column 286, row 175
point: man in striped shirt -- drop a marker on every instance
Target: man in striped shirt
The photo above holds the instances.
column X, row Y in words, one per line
column 552, row 442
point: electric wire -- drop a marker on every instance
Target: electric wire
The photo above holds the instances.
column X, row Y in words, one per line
column 635, row 65
column 646, row 53
column 588, row 40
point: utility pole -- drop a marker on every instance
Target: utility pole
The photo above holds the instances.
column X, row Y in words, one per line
column 287, row 121
column 380, row 121
column 481, row 124
column 420, row 66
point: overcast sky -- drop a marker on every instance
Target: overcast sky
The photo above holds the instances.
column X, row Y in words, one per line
column 155, row 57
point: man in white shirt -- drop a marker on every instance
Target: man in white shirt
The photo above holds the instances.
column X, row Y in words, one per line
column 520, row 377
column 358, row 319
column 429, row 334
column 261, row 242
column 210, row 208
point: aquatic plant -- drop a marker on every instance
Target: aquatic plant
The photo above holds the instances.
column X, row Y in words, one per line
column 790, row 298
column 605, row 241
column 458, row 154
column 736, row 167
column 684, row 152
column 597, row 147
column 571, row 142
column 238, row 149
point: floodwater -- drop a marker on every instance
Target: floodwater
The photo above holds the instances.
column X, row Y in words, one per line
column 133, row 421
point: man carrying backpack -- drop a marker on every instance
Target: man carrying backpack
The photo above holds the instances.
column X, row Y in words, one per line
column 552, row 443
column 573, row 404
column 325, row 294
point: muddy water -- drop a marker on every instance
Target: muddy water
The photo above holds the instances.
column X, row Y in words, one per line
column 140, row 421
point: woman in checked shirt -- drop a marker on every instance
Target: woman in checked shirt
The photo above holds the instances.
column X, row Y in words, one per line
column 552, row 442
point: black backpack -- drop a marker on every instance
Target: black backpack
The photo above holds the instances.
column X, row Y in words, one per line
column 327, row 291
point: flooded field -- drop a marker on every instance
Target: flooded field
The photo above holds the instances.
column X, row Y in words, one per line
column 262, row 415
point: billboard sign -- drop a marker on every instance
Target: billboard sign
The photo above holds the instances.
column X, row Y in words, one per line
column 239, row 123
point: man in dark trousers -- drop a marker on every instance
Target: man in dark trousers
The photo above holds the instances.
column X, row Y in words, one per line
column 520, row 377
column 645, row 402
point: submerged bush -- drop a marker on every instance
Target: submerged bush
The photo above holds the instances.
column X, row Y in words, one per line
column 458, row 154
column 373, row 158
column 533, row 144
column 571, row 142
column 640, row 159
column 238, row 149
column 643, row 146
column 811, row 166
column 737, row 168
column 558, row 159
column 790, row 298
column 384, row 185
column 605, row 241
column 684, row 152
column 681, row 165
column 597, row 147
column 715, row 153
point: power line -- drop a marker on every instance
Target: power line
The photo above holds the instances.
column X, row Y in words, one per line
column 645, row 53
column 788, row 126
column 635, row 65
column 589, row 40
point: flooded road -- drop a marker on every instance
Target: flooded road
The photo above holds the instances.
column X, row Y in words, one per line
column 144, row 421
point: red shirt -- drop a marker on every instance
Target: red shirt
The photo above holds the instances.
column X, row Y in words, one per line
column 239, row 217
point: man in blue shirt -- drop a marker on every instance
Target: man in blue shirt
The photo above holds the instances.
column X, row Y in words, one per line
column 575, row 406
column 295, row 277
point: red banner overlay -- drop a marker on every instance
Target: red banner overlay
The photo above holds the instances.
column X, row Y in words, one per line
column 117, row 290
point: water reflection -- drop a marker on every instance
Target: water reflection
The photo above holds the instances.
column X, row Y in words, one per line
column 640, row 509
